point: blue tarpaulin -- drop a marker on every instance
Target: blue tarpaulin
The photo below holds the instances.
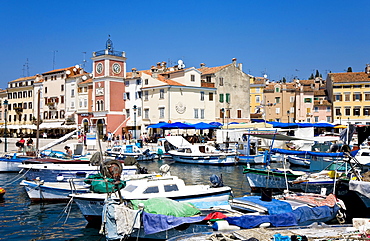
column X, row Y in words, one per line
column 300, row 216
column 155, row 223
column 252, row 221
column 274, row 206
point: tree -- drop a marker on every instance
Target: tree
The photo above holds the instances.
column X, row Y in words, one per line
column 317, row 74
column 349, row 69
column 311, row 77
column 284, row 80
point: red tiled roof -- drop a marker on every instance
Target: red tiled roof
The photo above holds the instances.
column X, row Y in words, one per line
column 23, row 78
column 321, row 103
column 320, row 92
column 162, row 78
column 307, row 82
column 59, row 70
column 86, row 81
column 168, row 81
column 212, row 70
column 349, row 77
column 258, row 81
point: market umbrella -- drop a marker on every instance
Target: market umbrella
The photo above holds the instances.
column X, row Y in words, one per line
column 203, row 126
column 158, row 125
column 218, row 124
column 177, row 125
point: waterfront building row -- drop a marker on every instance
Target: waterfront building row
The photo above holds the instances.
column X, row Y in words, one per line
column 112, row 99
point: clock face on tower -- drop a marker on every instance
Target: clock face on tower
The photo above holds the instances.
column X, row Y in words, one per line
column 99, row 68
column 116, row 68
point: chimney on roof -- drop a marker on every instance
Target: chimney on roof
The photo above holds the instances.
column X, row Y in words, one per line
column 240, row 67
column 164, row 66
column 234, row 61
column 134, row 72
column 367, row 69
column 202, row 65
column 154, row 72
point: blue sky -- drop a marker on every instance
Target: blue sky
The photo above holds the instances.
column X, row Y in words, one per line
column 279, row 38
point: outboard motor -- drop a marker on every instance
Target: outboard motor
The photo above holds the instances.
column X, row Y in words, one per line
column 216, row 181
column 165, row 170
column 146, row 152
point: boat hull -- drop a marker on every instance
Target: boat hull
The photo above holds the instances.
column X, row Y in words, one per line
column 51, row 192
column 222, row 160
column 92, row 208
column 54, row 172
column 259, row 178
column 299, row 161
column 10, row 165
column 251, row 159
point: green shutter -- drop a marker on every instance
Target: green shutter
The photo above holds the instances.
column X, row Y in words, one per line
column 221, row 98
column 227, row 98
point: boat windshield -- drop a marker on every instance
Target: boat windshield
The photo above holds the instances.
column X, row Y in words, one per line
column 130, row 188
column 153, row 189
column 170, row 188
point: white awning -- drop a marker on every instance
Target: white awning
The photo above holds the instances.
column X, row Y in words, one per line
column 12, row 126
column 51, row 125
column 30, row 127
column 69, row 113
column 69, row 126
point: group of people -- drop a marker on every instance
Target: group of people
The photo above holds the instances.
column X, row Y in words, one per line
column 22, row 143
column 113, row 140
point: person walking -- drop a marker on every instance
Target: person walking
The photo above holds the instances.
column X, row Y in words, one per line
column 109, row 138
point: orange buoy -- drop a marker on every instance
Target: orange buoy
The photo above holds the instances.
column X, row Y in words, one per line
column 2, row 192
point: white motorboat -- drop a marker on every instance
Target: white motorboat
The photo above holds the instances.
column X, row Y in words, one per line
column 172, row 187
column 10, row 162
column 123, row 151
column 52, row 191
column 50, row 172
column 199, row 153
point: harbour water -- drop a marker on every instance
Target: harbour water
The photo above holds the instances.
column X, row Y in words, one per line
column 22, row 220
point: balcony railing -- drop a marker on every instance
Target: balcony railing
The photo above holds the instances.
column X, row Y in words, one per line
column 207, row 84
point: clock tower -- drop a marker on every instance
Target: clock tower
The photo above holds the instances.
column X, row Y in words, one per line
column 109, row 72
column 109, row 63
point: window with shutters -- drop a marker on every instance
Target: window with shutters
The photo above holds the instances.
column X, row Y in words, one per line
column 221, row 98
column 227, row 98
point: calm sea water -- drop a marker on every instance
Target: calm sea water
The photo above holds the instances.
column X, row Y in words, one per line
column 22, row 220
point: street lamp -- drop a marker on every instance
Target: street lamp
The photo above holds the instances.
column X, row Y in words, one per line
column 340, row 118
column 135, row 109
column 288, row 112
column 5, row 130
column 223, row 116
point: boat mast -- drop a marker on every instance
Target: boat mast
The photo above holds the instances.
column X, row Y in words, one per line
column 38, row 121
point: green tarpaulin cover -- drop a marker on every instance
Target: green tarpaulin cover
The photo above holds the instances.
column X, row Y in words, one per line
column 165, row 206
column 98, row 184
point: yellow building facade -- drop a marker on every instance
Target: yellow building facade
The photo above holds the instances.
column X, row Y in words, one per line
column 349, row 94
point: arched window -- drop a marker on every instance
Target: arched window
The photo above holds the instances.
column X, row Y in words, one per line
column 99, row 105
